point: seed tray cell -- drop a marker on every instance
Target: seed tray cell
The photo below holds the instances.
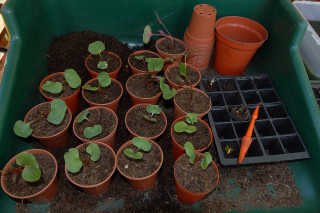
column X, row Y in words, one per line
column 274, row 137
column 316, row 92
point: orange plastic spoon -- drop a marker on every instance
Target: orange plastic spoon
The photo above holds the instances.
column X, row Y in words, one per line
column 246, row 140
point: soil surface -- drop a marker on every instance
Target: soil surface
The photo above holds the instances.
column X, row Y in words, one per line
column 166, row 46
column 137, row 86
column 175, row 77
column 242, row 188
column 66, row 90
column 141, row 64
column 239, row 115
column 97, row 116
column 211, row 88
column 112, row 60
column 143, row 127
column 105, row 94
column 144, row 167
column 198, row 104
column 43, row 127
column 192, row 177
column 94, row 172
column 200, row 139
column 19, row 187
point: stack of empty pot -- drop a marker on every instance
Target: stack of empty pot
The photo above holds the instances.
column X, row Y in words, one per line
column 199, row 36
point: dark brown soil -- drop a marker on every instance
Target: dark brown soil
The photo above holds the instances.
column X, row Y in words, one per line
column 66, row 90
column 43, row 127
column 137, row 86
column 200, row 139
column 19, row 187
column 143, row 127
column 112, row 60
column 97, row 116
column 213, row 88
column 94, row 172
column 238, row 115
column 105, row 94
column 166, row 46
column 174, row 76
column 140, row 168
column 198, row 104
column 193, row 177
column 141, row 64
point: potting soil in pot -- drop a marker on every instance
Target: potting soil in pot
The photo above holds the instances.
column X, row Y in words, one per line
column 166, row 46
column 175, row 77
column 199, row 103
column 141, row 64
column 112, row 60
column 137, row 85
column 66, row 89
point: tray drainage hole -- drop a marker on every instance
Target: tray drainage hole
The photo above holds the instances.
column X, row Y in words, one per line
column 232, row 98
column 217, row 99
column 276, row 111
column 241, row 129
column 261, row 114
column 264, row 128
column 208, row 88
column 227, row 85
column 269, row 96
column 225, row 131
column 283, row 126
column 251, row 97
column 246, row 84
column 220, row 115
column 292, row 144
column 234, row 149
column 272, row 146
column 254, row 149
column 262, row 83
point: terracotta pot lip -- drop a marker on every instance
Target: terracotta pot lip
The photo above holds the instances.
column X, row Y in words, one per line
column 188, row 65
column 170, row 54
column 186, row 190
column 32, row 151
column 132, row 178
column 93, row 103
column 181, row 147
column 138, row 52
column 51, row 136
column 138, row 96
column 49, row 76
column 232, row 22
column 143, row 105
column 111, row 53
column 107, row 178
column 93, row 108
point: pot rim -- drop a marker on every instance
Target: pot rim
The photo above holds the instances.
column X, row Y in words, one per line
column 111, row 53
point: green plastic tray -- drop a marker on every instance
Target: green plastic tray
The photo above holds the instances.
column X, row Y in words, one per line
column 33, row 23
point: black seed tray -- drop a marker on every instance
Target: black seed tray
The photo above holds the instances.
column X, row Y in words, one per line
column 316, row 91
column 274, row 137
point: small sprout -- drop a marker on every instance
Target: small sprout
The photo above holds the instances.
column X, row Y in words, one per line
column 152, row 110
column 83, row 116
column 90, row 132
column 228, row 149
column 190, row 151
column 192, row 118
column 52, row 87
column 72, row 78
column 139, row 57
column 167, row 93
column 88, row 87
column 206, row 160
column 141, row 144
column 103, row 65
column 103, row 79
column 240, row 110
column 31, row 171
column 96, row 48
column 57, row 112
column 131, row 154
column 94, row 151
column 182, row 126
column 73, row 161
column 211, row 82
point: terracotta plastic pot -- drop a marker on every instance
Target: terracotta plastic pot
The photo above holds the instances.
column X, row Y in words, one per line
column 72, row 101
column 53, row 141
column 144, row 183
column 238, row 39
column 178, row 112
column 138, row 100
column 109, row 139
column 100, row 187
column 135, row 70
column 111, row 105
column 176, row 86
column 136, row 135
column 47, row 193
column 187, row 197
column 177, row 149
column 113, row 74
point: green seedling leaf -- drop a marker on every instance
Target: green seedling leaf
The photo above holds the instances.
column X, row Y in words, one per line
column 83, row 116
column 141, row 143
column 147, row 33
column 31, row 171
column 104, row 79
column 72, row 78
column 103, row 65
column 131, row 154
column 96, row 47
column 206, row 160
column 90, row 132
column 155, row 64
column 148, row 118
column 190, row 151
column 182, row 69
column 57, row 112
column 139, row 57
column 88, row 87
column 192, row 118
column 182, row 126
column 73, row 161
column 167, row 93
column 52, row 87
column 153, row 109
column 22, row 129
column 94, row 151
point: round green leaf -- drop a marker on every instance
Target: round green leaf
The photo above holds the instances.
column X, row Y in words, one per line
column 72, row 160
column 147, row 33
column 72, row 78
column 192, row 118
column 96, row 47
column 155, row 64
column 88, row 87
column 31, row 174
column 103, row 65
column 167, row 93
column 153, row 109
column 206, row 160
column 130, row 153
column 22, row 129
column 190, row 151
column 52, row 87
column 90, row 132
column 94, row 151
column 181, row 126
column 57, row 112
column 104, row 79
column 31, row 171
column 141, row 143
column 82, row 116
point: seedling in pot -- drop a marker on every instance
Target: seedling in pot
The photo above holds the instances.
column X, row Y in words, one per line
column 207, row 158
column 141, row 58
column 211, row 82
column 71, row 77
column 56, row 115
column 141, row 144
column 228, row 149
column 29, row 167
column 104, row 81
column 182, row 126
column 73, row 161
column 89, row 132
column 152, row 110
column 96, row 48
